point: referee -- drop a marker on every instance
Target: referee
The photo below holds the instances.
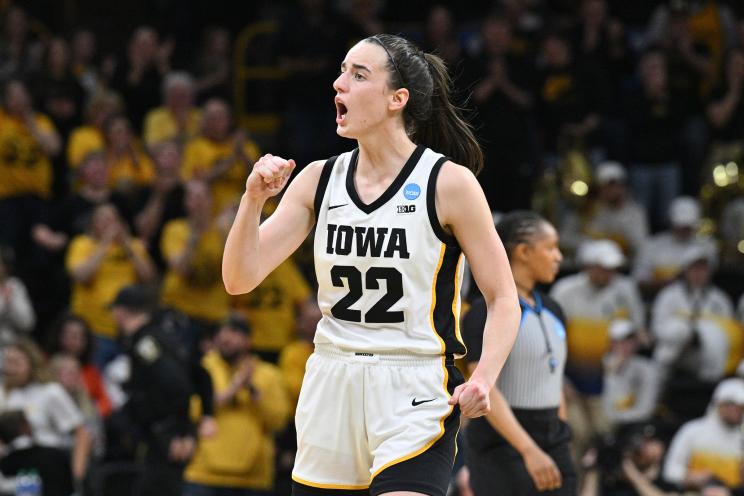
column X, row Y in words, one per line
column 522, row 446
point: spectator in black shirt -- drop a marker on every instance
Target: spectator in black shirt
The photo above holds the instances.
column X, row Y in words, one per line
column 139, row 78
column 362, row 19
column 312, row 42
column 501, row 84
column 655, row 117
column 698, row 28
column 692, row 70
column 526, row 24
column 22, row 454
column 690, row 66
column 600, row 47
column 213, row 65
column 440, row 36
column 598, row 36
column 160, row 202
column 726, row 109
column 56, row 89
column 60, row 96
column 71, row 215
column 20, row 52
column 568, row 97
column 83, row 47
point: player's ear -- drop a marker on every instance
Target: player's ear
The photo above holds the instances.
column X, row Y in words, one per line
column 520, row 252
column 399, row 99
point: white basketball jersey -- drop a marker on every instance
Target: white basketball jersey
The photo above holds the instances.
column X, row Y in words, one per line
column 389, row 276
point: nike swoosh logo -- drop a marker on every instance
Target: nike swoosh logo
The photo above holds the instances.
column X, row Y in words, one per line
column 417, row 403
column 331, row 207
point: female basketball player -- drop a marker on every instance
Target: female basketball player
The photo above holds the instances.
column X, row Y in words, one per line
column 379, row 406
column 521, row 447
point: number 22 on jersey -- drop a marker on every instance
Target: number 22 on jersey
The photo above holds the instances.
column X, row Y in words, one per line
column 380, row 312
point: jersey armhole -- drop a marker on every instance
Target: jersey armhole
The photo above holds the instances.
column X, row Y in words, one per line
column 431, row 205
column 322, row 185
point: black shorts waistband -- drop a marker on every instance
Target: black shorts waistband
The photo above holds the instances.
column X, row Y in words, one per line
column 536, row 414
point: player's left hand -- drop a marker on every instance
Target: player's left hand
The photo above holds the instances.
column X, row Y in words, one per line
column 472, row 398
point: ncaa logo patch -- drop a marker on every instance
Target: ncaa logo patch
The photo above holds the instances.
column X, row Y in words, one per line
column 411, row 191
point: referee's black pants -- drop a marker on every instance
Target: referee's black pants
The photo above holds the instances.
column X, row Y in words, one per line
column 496, row 468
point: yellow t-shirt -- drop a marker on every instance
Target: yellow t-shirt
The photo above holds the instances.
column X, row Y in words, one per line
column 24, row 167
column 203, row 294
column 83, row 140
column 202, row 154
column 270, row 308
column 161, row 125
column 90, row 300
column 242, row 453
column 125, row 171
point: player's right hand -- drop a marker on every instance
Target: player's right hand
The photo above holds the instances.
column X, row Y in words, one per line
column 268, row 177
column 542, row 469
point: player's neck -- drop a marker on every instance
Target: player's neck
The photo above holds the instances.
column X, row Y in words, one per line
column 384, row 151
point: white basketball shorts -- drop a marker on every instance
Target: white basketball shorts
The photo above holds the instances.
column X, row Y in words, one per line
column 374, row 423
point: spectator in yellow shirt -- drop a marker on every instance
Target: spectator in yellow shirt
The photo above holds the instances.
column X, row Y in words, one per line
column 100, row 263
column 219, row 157
column 27, row 142
column 213, row 64
column 273, row 307
column 129, row 166
column 251, row 404
column 192, row 248
column 90, row 137
column 177, row 119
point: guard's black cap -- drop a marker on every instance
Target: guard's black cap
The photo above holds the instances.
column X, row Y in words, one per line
column 237, row 322
column 134, row 297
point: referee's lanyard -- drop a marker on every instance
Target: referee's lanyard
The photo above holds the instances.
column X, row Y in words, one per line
column 537, row 309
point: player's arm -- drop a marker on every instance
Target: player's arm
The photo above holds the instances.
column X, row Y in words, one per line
column 463, row 210
column 252, row 251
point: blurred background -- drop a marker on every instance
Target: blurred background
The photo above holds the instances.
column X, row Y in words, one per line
column 127, row 130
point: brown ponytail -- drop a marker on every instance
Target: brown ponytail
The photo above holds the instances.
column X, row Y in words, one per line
column 446, row 131
column 430, row 116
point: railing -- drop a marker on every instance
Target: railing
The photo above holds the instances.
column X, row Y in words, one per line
column 257, row 73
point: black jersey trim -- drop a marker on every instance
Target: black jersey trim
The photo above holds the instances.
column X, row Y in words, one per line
column 323, row 184
column 445, row 289
column 390, row 191
column 427, row 470
column 431, row 205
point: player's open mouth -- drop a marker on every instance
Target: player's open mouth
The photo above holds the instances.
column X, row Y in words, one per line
column 341, row 112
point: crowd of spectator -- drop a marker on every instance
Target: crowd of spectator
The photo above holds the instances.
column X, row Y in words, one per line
column 623, row 124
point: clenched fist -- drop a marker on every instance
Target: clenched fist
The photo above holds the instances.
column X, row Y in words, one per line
column 268, row 177
column 472, row 398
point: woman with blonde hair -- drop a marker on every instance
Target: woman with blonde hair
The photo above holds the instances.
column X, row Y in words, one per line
column 49, row 409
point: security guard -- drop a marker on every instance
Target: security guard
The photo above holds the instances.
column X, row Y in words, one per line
column 160, row 386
